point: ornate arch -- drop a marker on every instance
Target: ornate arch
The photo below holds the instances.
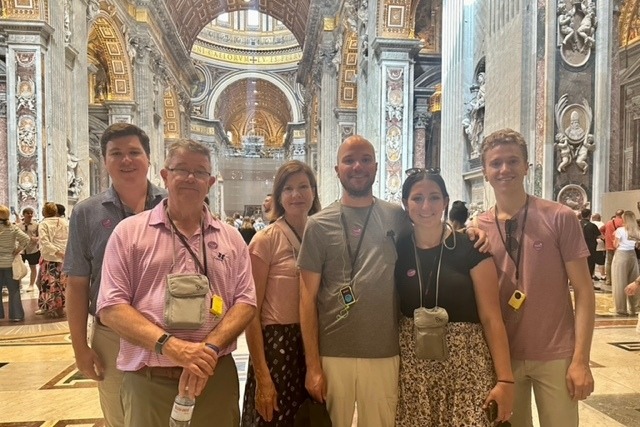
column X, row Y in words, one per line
column 107, row 51
column 231, row 78
column 191, row 16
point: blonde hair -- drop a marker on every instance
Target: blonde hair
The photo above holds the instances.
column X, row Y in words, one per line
column 49, row 209
column 4, row 214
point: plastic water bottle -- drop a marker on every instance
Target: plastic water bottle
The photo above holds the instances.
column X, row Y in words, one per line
column 182, row 411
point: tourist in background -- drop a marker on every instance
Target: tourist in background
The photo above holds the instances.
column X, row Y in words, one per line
column 591, row 234
column 31, row 253
column 275, row 381
column 608, row 230
column 624, row 268
column 54, row 232
column 247, row 230
column 12, row 242
column 601, row 250
column 458, row 215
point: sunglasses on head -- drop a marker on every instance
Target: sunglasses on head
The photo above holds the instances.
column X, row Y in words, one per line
column 428, row 171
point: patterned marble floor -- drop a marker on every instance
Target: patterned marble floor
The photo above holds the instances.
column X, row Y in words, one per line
column 40, row 387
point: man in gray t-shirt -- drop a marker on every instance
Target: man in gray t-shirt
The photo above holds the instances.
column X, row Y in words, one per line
column 348, row 306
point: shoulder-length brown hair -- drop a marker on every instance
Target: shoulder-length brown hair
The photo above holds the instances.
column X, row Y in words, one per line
column 286, row 170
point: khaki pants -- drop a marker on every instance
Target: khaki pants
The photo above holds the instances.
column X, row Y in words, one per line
column 106, row 343
column 148, row 400
column 555, row 407
column 371, row 383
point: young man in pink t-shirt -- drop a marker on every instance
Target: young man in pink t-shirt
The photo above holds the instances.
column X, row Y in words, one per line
column 538, row 246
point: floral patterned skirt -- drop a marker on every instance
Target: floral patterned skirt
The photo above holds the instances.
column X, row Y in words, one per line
column 53, row 284
column 284, row 354
column 450, row 392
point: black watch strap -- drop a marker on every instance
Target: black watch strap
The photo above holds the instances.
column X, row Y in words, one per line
column 161, row 342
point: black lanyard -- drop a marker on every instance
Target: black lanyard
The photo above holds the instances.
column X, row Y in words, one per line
column 521, row 243
column 183, row 239
column 354, row 257
column 292, row 229
column 147, row 202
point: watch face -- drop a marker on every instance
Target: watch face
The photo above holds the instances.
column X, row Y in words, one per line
column 161, row 341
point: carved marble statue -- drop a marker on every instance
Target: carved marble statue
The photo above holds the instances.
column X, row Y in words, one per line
column 473, row 124
column 574, row 131
column 566, row 151
column 574, row 143
column 576, row 27
column 582, row 153
column 93, row 9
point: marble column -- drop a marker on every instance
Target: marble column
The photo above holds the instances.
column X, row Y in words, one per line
column 27, row 174
column 420, row 121
column 77, row 120
column 393, row 117
column 607, row 42
column 612, row 141
column 4, row 158
column 452, row 151
column 56, row 105
column 329, row 133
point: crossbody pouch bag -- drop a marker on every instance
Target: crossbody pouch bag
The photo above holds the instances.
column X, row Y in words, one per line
column 185, row 303
column 186, row 300
column 430, row 324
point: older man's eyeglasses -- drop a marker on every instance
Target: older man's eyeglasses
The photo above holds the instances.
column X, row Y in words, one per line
column 184, row 173
column 428, row 171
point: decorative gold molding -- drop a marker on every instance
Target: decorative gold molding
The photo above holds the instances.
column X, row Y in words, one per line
column 108, row 44
column 25, row 10
column 329, row 23
column 395, row 18
column 171, row 115
column 241, row 58
column 348, row 88
column 629, row 23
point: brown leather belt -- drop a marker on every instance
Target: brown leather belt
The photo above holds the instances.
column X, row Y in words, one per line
column 171, row 372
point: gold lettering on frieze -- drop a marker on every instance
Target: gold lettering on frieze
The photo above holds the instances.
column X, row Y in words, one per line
column 202, row 130
column 247, row 59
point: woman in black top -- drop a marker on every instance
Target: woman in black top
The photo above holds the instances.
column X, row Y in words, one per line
column 453, row 391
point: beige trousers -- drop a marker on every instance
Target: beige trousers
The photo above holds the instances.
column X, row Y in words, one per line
column 106, row 343
column 372, row 384
column 555, row 406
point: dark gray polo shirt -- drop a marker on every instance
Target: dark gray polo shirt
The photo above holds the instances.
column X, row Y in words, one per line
column 90, row 226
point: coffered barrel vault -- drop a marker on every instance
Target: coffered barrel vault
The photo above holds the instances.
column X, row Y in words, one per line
column 193, row 15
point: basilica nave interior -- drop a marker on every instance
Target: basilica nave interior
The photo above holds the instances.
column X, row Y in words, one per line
column 264, row 81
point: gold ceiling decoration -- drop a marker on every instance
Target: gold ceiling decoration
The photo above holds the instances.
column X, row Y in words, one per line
column 106, row 50
column 191, row 16
column 254, row 107
column 630, row 23
column 247, row 39
column 25, row 10
column 171, row 115
column 348, row 77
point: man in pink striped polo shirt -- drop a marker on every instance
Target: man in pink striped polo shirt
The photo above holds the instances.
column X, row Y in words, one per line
column 177, row 287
